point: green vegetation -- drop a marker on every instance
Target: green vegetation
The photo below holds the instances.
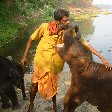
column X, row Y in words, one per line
column 8, row 27
column 82, row 16
column 78, row 17
column 15, row 15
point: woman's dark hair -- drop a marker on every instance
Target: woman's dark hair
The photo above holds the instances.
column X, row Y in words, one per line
column 60, row 13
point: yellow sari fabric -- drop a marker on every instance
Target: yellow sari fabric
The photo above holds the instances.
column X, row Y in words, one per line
column 47, row 62
column 46, row 57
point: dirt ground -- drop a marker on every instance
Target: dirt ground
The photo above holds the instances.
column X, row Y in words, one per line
column 41, row 105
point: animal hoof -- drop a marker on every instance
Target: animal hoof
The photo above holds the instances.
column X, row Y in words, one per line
column 15, row 107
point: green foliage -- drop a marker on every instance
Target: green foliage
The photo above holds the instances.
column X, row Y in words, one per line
column 8, row 28
column 78, row 17
column 14, row 14
column 47, row 13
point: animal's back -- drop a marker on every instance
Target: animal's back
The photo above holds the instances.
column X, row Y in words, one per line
column 4, row 67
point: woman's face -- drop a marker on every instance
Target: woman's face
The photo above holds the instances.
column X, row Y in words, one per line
column 64, row 22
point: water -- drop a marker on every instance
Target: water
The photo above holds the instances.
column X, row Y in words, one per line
column 107, row 7
column 101, row 37
column 97, row 31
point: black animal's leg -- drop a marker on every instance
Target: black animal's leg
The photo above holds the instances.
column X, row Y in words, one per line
column 34, row 90
column 23, row 90
column 5, row 101
column 21, row 77
column 11, row 94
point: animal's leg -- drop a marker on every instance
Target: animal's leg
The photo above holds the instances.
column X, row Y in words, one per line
column 5, row 101
column 71, row 101
column 23, row 90
column 11, row 94
column 33, row 92
column 21, row 82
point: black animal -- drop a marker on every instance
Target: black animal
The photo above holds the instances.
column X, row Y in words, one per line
column 90, row 80
column 11, row 74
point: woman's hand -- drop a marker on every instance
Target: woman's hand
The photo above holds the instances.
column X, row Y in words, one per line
column 23, row 61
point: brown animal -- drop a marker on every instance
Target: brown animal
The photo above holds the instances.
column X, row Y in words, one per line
column 90, row 80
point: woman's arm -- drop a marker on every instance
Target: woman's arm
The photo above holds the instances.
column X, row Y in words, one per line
column 104, row 61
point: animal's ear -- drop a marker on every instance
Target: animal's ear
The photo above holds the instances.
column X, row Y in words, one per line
column 73, row 27
column 78, row 35
column 76, row 28
column 75, row 31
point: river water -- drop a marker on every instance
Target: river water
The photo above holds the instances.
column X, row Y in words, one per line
column 97, row 31
column 99, row 34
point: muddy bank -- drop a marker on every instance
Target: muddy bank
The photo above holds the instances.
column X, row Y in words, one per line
column 46, row 106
